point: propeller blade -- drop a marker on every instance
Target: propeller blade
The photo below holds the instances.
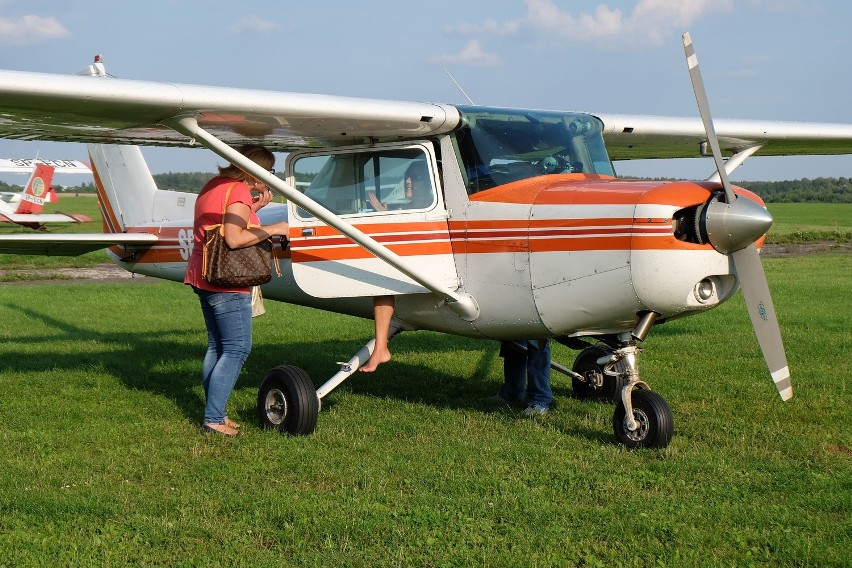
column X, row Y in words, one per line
column 746, row 260
column 762, row 313
column 704, row 110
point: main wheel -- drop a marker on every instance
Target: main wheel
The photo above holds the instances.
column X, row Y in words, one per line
column 598, row 385
column 656, row 423
column 287, row 401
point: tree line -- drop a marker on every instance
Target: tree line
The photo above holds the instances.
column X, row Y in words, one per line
column 819, row 190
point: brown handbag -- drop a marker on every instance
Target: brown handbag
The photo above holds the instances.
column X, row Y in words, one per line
column 225, row 267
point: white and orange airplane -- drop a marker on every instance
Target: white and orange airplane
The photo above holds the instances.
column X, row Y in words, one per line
column 528, row 232
column 25, row 208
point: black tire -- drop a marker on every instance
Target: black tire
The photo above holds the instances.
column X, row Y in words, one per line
column 287, row 401
column 656, row 423
column 586, row 363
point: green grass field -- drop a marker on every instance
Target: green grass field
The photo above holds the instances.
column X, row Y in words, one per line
column 103, row 462
column 85, row 205
column 803, row 222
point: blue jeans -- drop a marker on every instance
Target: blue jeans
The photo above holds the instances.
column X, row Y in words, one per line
column 227, row 316
column 530, row 369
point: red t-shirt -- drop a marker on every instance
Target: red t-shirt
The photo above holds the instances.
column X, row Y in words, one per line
column 208, row 211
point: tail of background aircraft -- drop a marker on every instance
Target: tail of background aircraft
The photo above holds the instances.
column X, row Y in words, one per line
column 38, row 190
column 30, row 202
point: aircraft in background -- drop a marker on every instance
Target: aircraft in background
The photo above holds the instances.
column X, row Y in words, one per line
column 528, row 233
column 25, row 208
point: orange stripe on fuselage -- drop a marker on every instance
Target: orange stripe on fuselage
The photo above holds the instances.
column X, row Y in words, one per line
column 371, row 229
column 110, row 219
column 354, row 251
column 405, row 239
column 496, row 236
column 488, row 236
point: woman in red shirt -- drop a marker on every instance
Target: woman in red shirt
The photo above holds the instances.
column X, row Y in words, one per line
column 227, row 311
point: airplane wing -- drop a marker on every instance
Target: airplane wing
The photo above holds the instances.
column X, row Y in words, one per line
column 40, row 106
column 631, row 137
column 56, row 244
column 25, row 166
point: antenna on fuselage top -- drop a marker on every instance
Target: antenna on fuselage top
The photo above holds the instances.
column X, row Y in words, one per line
column 457, row 85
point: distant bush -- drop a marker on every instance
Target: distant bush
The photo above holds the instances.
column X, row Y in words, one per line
column 819, row 190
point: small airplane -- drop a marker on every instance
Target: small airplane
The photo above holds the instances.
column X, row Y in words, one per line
column 527, row 232
column 24, row 208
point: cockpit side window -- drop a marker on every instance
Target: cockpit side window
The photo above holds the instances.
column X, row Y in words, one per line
column 367, row 181
column 498, row 146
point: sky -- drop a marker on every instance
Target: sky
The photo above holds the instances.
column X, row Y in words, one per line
column 760, row 59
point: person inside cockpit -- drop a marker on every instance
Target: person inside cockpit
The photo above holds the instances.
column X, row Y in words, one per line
column 417, row 190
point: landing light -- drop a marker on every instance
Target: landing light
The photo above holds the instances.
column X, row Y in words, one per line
column 704, row 290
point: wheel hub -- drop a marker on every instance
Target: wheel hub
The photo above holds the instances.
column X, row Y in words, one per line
column 275, row 407
column 641, row 421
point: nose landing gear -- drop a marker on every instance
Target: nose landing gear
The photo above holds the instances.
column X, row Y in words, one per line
column 642, row 418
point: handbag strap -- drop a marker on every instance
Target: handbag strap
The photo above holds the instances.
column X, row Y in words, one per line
column 225, row 208
column 222, row 233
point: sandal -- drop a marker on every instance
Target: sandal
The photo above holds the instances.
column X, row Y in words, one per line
column 220, row 428
column 231, row 424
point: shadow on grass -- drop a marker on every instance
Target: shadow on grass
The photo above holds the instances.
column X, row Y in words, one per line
column 137, row 359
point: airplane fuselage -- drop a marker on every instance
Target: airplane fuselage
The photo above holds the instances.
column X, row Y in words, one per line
column 529, row 222
column 578, row 254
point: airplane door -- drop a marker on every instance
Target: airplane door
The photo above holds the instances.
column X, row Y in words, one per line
column 389, row 192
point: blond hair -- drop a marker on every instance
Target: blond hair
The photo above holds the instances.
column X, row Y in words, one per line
column 257, row 154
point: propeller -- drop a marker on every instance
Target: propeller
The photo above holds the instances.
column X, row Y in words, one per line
column 732, row 228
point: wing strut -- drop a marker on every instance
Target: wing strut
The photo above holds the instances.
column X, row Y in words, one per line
column 464, row 305
column 734, row 162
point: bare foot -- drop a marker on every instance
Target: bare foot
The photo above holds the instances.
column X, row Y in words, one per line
column 376, row 359
column 231, row 424
column 220, row 428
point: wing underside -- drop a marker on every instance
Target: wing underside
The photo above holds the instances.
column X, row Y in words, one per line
column 39, row 106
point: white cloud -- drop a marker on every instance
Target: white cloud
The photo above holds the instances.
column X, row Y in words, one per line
column 489, row 26
column 649, row 22
column 30, row 30
column 472, row 54
column 252, row 24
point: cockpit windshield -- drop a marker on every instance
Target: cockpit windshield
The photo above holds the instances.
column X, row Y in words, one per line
column 497, row 146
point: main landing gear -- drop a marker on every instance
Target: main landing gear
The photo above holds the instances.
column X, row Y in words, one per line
column 287, row 400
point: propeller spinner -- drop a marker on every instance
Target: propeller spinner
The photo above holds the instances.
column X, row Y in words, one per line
column 732, row 228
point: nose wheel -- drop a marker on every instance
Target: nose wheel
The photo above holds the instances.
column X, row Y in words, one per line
column 652, row 425
column 642, row 418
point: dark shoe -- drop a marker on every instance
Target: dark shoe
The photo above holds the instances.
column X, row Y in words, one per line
column 495, row 399
column 535, row 409
column 220, row 428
